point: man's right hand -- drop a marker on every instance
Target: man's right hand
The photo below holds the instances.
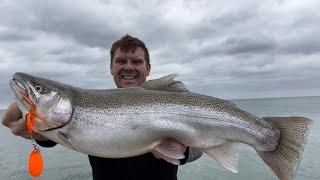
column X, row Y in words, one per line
column 13, row 119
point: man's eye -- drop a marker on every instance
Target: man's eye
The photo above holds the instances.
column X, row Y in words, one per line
column 39, row 89
column 137, row 62
column 121, row 61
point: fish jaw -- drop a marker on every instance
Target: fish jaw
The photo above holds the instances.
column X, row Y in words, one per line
column 21, row 94
column 51, row 109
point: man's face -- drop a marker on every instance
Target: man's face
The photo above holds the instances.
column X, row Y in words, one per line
column 129, row 69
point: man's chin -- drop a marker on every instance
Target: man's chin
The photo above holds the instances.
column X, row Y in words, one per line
column 129, row 84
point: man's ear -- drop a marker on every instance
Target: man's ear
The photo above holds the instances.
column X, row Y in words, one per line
column 148, row 69
column 111, row 68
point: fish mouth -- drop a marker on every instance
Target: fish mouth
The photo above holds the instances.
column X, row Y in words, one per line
column 18, row 88
column 21, row 91
column 39, row 106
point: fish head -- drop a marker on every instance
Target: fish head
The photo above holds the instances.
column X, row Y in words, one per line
column 51, row 101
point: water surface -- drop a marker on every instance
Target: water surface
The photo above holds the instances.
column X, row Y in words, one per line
column 62, row 163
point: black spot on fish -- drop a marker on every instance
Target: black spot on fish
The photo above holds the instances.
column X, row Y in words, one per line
column 135, row 126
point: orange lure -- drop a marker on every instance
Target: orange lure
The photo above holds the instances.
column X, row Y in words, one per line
column 35, row 159
column 31, row 116
column 35, row 163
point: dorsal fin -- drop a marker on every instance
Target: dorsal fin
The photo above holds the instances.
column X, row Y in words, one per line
column 165, row 83
column 231, row 103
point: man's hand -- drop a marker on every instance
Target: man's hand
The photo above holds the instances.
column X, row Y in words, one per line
column 174, row 144
column 13, row 119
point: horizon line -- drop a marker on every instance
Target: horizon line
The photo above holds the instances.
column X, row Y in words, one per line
column 4, row 108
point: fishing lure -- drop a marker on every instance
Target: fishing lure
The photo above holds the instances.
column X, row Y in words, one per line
column 35, row 164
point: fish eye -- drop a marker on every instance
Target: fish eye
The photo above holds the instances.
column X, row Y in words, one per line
column 38, row 89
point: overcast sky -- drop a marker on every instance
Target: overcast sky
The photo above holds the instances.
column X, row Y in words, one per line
column 230, row 49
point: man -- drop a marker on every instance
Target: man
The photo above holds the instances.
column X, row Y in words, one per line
column 129, row 66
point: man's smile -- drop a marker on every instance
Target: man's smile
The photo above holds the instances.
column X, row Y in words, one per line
column 129, row 77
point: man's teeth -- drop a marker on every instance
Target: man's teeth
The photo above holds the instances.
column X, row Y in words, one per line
column 128, row 77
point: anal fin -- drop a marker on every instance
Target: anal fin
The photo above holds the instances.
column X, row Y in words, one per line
column 226, row 154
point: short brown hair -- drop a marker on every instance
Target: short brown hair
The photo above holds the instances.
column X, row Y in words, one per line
column 129, row 43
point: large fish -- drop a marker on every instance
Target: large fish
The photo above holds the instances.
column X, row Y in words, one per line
column 127, row 122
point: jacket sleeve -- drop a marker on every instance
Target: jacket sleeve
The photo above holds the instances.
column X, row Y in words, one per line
column 47, row 143
column 191, row 154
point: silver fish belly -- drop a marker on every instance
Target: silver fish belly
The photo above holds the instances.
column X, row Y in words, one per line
column 132, row 121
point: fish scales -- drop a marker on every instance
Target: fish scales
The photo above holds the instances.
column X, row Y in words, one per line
column 127, row 122
column 135, row 97
column 186, row 104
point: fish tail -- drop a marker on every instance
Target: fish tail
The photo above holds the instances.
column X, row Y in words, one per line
column 284, row 160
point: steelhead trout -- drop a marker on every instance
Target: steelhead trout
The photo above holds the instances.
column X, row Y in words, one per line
column 127, row 122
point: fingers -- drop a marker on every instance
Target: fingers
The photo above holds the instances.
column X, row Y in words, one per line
column 181, row 146
column 172, row 143
column 12, row 114
column 157, row 155
column 12, row 118
column 18, row 128
column 168, row 159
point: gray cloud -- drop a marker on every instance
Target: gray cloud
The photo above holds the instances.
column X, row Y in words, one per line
column 250, row 44
column 7, row 35
column 226, row 49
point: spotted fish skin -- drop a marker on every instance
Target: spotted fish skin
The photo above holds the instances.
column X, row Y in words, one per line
column 126, row 122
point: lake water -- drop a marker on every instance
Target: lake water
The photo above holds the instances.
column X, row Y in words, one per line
column 62, row 163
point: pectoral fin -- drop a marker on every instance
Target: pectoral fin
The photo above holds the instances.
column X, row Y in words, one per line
column 226, row 154
column 63, row 136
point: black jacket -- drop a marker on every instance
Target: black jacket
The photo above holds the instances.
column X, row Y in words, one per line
column 143, row 167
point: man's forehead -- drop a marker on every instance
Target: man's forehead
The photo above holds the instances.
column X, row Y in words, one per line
column 137, row 52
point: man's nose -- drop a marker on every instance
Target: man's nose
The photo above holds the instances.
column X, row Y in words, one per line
column 129, row 65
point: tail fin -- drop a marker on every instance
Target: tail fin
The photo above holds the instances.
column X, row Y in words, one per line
column 284, row 160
